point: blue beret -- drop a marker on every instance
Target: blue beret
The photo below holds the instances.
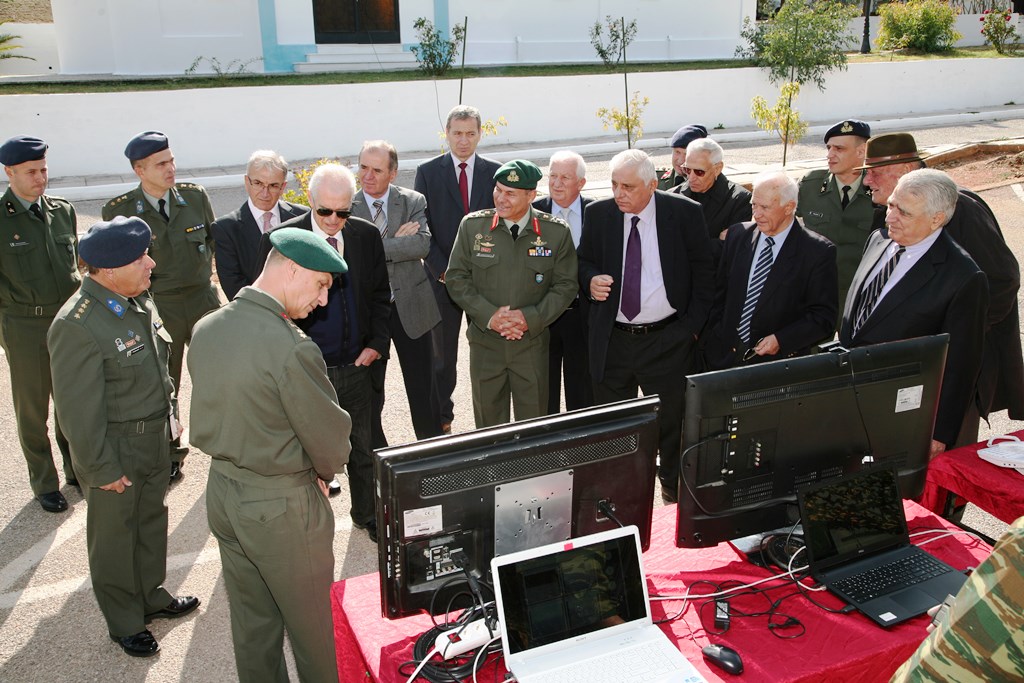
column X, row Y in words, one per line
column 520, row 174
column 849, row 127
column 115, row 243
column 687, row 134
column 22, row 148
column 144, row 144
column 308, row 250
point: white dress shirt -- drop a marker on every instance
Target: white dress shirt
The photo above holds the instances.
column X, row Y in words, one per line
column 654, row 305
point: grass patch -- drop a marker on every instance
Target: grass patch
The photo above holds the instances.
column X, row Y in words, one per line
column 981, row 52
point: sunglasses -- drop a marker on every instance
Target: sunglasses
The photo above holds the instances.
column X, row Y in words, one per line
column 700, row 173
column 340, row 213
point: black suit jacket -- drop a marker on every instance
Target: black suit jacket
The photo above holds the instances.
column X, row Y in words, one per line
column 945, row 291
column 799, row 302
column 436, row 180
column 237, row 237
column 367, row 272
column 685, row 264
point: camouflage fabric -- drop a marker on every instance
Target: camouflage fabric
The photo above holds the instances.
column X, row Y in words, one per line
column 983, row 637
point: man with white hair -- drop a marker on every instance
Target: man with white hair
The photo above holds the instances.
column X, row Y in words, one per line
column 724, row 202
column 645, row 262
column 776, row 294
column 915, row 281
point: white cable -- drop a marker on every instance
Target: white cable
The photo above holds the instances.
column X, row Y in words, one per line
column 482, row 650
column 419, row 668
column 942, row 533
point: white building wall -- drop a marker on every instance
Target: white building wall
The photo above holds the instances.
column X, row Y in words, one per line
column 38, row 41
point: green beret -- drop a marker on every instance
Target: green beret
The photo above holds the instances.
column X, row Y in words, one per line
column 308, row 250
column 519, row 173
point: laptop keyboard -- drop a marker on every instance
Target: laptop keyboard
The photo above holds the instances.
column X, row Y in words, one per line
column 632, row 664
column 891, row 576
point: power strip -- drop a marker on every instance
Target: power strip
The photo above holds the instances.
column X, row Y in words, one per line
column 462, row 639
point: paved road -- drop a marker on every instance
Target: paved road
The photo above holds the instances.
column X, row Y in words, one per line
column 50, row 627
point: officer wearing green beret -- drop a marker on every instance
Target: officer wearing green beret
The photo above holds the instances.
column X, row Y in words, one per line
column 513, row 270
column 112, row 394
column 180, row 216
column 38, row 272
column 835, row 202
column 273, row 448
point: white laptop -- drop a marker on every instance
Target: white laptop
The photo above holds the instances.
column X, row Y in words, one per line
column 579, row 610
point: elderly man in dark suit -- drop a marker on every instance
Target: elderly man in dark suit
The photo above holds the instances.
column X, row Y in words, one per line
column 646, row 263
column 455, row 183
column 915, row 280
column 974, row 227
column 237, row 234
column 400, row 216
column 352, row 329
column 776, row 293
column 567, row 343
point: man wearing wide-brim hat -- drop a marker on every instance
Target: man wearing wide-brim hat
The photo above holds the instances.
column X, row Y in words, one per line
column 974, row 227
column 513, row 270
column 273, row 446
column 114, row 397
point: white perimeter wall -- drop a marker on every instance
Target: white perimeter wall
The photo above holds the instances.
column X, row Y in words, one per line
column 214, row 127
column 38, row 41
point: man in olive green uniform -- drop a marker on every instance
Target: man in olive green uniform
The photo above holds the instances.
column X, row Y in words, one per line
column 513, row 270
column 266, row 413
column 180, row 216
column 835, row 202
column 38, row 272
column 112, row 393
column 674, row 176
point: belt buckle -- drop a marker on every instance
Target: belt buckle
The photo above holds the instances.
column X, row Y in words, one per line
column 38, row 310
column 140, row 427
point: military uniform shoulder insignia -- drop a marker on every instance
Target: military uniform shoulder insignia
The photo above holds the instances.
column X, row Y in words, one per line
column 83, row 308
column 56, row 200
column 10, row 208
column 189, row 186
column 483, row 213
column 117, row 201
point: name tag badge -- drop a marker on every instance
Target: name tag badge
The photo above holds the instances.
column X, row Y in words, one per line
column 132, row 352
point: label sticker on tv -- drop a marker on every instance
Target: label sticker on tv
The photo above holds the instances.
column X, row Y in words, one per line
column 909, row 398
column 423, row 521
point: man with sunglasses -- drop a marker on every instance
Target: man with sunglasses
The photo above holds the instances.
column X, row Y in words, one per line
column 180, row 215
column 724, row 202
column 238, row 233
column 352, row 330
column 673, row 177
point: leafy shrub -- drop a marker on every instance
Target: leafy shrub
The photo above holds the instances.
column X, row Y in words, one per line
column 302, row 176
column 620, row 35
column 998, row 29
column 6, row 46
column 781, row 119
column 925, row 25
column 435, row 53
column 630, row 123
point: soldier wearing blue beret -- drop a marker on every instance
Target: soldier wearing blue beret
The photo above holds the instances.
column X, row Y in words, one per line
column 114, row 397
column 513, row 270
column 180, row 216
column 38, row 272
column 672, row 177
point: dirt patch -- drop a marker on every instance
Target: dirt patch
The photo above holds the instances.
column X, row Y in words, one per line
column 26, row 11
column 985, row 169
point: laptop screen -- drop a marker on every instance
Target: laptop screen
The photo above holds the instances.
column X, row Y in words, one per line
column 853, row 517
column 571, row 593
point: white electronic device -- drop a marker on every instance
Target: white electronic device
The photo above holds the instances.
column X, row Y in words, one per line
column 1004, row 451
column 462, row 639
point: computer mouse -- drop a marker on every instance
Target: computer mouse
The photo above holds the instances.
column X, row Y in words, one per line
column 724, row 658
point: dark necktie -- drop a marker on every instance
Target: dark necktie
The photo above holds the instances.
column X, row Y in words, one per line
column 464, row 187
column 846, row 195
column 379, row 219
column 869, row 293
column 514, row 229
column 343, row 298
column 163, row 211
column 36, row 211
column 757, row 280
column 333, row 241
column 631, row 273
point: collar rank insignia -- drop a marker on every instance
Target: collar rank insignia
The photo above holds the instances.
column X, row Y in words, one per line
column 10, row 209
column 115, row 307
column 139, row 207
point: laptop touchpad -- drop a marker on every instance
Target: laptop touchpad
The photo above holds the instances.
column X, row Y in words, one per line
column 914, row 600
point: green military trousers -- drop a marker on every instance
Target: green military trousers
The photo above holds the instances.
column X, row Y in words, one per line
column 501, row 370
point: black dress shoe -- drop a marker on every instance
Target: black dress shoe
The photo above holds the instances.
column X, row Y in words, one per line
column 179, row 450
column 54, row 501
column 74, row 482
column 371, row 529
column 175, row 471
column 179, row 607
column 142, row 644
column 334, row 487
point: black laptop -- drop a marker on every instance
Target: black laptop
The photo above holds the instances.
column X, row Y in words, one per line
column 859, row 547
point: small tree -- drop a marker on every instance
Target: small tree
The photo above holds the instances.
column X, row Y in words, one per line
column 998, row 29
column 628, row 121
column 302, row 177
column 620, row 35
column 781, row 119
column 435, row 53
column 802, row 43
column 925, row 25
column 6, row 47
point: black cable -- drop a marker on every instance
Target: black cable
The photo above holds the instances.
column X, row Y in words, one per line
column 606, row 507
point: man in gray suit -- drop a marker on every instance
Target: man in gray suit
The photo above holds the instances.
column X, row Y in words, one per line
column 400, row 216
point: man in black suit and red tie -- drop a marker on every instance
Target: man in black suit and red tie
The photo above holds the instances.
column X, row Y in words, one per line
column 777, row 289
column 567, row 343
column 455, row 183
column 645, row 261
column 915, row 280
column 237, row 234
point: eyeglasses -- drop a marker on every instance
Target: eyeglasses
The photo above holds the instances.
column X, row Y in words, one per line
column 699, row 172
column 340, row 213
column 260, row 185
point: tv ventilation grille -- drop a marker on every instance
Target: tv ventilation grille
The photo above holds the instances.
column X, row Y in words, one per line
column 526, row 466
column 753, row 493
column 761, row 397
column 814, row 477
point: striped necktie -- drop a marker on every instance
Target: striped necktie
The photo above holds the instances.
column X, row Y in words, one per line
column 764, row 265
column 872, row 291
column 379, row 219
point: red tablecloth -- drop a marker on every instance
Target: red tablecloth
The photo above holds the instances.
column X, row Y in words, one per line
column 996, row 490
column 835, row 647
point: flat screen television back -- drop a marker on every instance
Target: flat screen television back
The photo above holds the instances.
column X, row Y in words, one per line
column 755, row 434
column 502, row 489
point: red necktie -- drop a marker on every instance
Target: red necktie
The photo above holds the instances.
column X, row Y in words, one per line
column 464, row 187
